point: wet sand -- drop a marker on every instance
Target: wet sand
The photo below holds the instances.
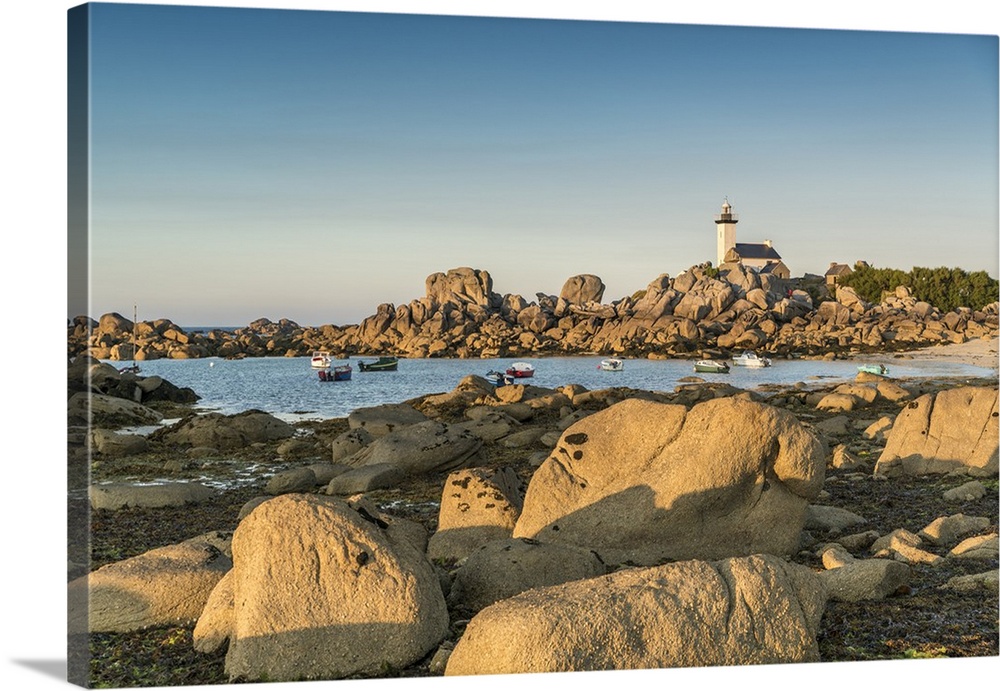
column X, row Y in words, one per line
column 981, row 352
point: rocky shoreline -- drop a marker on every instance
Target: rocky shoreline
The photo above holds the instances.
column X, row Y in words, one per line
column 885, row 535
column 703, row 312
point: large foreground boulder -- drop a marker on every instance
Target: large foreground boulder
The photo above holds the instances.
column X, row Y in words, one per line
column 749, row 610
column 641, row 482
column 953, row 430
column 321, row 589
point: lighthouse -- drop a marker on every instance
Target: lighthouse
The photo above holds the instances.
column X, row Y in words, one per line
column 725, row 224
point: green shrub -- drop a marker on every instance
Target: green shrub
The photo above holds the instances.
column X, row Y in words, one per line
column 946, row 289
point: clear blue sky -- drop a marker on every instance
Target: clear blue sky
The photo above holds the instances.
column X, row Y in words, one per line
column 277, row 163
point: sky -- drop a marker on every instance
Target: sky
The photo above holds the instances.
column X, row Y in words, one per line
column 310, row 165
column 36, row 289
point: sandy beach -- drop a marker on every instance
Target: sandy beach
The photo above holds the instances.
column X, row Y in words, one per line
column 981, row 352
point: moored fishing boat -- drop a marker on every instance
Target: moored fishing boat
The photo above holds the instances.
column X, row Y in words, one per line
column 338, row 373
column 383, row 364
column 500, row 378
column 711, row 366
column 520, row 370
column 321, row 359
column 611, row 365
column 751, row 359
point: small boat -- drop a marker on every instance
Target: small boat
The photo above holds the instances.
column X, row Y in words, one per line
column 383, row 364
column 500, row 378
column 519, row 370
column 338, row 373
column 751, row 359
column 711, row 366
column 874, row 369
column 611, row 365
column 321, row 359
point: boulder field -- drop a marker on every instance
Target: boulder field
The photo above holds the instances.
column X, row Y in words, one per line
column 572, row 530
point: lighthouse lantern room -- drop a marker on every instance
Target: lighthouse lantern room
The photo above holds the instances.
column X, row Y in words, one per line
column 725, row 224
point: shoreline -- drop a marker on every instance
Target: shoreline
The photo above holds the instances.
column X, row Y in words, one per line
column 982, row 352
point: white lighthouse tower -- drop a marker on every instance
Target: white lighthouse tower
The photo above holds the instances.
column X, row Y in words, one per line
column 725, row 231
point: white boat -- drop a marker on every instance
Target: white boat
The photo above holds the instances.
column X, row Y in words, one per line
column 520, row 370
column 611, row 365
column 321, row 359
column 751, row 359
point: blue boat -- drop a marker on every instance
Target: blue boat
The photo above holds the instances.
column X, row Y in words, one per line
column 338, row 373
column 500, row 378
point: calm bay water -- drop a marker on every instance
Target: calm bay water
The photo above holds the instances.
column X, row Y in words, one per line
column 290, row 389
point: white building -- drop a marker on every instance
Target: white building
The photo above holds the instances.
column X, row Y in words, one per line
column 761, row 257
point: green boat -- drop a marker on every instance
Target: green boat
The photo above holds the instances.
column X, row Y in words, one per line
column 383, row 364
column 711, row 366
column 874, row 369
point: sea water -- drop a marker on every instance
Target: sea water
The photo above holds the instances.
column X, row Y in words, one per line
column 289, row 388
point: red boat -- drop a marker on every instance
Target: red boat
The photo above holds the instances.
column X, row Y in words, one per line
column 338, row 373
column 519, row 370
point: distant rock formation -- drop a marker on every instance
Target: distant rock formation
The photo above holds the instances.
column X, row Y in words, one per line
column 700, row 313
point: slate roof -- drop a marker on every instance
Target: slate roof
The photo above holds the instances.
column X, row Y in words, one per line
column 749, row 250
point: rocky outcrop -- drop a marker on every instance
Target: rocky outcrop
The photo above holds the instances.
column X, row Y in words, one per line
column 478, row 505
column 463, row 286
column 582, row 289
column 848, row 579
column 378, row 421
column 121, row 495
column 222, row 432
column 165, row 586
column 460, row 316
column 503, row 568
column 642, row 482
column 954, row 430
column 110, row 411
column 107, row 443
column 424, row 447
column 749, row 610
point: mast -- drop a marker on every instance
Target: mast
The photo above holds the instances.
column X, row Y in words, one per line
column 135, row 337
